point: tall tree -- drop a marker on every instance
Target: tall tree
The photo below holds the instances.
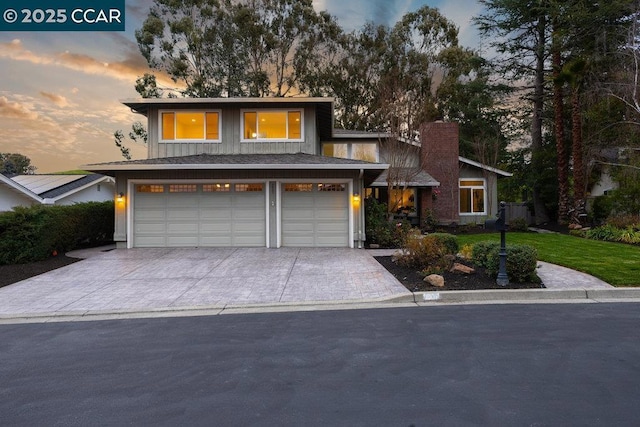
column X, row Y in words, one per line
column 520, row 30
column 235, row 48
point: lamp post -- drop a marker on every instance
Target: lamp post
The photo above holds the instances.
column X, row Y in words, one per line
column 502, row 279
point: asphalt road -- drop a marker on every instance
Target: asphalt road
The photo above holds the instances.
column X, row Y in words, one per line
column 454, row 365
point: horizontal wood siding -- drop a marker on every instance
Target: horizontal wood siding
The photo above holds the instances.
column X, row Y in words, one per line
column 230, row 138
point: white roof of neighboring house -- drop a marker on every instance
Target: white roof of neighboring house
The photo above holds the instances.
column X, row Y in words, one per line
column 13, row 185
column 51, row 188
column 485, row 167
column 42, row 183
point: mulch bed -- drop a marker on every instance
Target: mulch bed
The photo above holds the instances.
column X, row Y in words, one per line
column 414, row 281
column 14, row 273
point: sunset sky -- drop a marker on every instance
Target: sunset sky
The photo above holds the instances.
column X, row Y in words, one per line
column 60, row 91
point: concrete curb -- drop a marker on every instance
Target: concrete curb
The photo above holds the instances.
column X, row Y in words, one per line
column 488, row 296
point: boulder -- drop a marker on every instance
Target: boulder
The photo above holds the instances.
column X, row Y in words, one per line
column 461, row 268
column 435, row 280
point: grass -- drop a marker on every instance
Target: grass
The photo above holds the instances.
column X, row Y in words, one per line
column 615, row 263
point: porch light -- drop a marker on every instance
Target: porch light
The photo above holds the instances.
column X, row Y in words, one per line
column 356, row 198
column 120, row 198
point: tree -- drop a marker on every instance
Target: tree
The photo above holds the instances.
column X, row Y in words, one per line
column 12, row 164
column 235, row 48
column 520, row 29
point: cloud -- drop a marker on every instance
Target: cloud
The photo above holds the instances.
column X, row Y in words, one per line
column 128, row 69
column 14, row 110
column 58, row 100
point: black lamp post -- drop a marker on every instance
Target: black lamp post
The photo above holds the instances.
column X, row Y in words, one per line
column 499, row 224
column 503, row 279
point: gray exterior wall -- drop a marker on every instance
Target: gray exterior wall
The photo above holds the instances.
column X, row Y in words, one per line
column 469, row 172
column 230, row 134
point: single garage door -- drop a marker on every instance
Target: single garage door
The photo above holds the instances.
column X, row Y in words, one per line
column 192, row 215
column 315, row 215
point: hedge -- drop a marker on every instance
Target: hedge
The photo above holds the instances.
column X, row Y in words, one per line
column 35, row 233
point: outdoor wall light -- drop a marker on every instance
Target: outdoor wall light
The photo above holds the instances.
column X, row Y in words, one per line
column 356, row 197
column 120, row 198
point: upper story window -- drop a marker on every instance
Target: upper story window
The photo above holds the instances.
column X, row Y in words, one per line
column 190, row 126
column 472, row 196
column 271, row 124
column 366, row 151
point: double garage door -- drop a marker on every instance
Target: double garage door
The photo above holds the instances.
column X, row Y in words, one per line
column 236, row 215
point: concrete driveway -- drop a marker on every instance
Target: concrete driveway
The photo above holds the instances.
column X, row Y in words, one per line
column 150, row 279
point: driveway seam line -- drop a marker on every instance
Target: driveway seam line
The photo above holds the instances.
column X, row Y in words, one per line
column 286, row 283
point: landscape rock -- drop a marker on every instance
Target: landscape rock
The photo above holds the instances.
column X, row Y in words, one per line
column 461, row 268
column 435, row 280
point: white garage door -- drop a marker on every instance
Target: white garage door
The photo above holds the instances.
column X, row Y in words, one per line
column 191, row 215
column 315, row 215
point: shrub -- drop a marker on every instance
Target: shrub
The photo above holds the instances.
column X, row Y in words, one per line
column 481, row 252
column 34, row 233
column 467, row 251
column 518, row 224
column 605, row 232
column 381, row 231
column 449, row 241
column 624, row 221
column 522, row 260
column 431, row 253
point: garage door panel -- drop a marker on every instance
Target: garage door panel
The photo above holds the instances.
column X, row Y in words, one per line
column 182, row 228
column 182, row 214
column 315, row 218
column 200, row 218
column 149, row 215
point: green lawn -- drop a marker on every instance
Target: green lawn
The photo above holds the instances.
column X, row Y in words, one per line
column 615, row 263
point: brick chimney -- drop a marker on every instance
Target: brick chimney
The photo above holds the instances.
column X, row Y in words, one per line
column 439, row 156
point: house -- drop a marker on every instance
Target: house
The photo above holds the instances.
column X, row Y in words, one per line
column 28, row 190
column 268, row 172
column 240, row 172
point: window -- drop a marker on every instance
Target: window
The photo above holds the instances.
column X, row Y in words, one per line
column 307, row 188
column 150, row 188
column 366, row 151
column 183, row 188
column 248, row 187
column 332, row 187
column 190, row 126
column 216, row 188
column 275, row 124
column 472, row 199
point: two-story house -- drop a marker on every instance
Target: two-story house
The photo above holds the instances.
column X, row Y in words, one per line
column 273, row 172
column 245, row 172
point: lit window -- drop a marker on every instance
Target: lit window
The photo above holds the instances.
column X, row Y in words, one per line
column 272, row 125
column 332, row 187
column 191, row 126
column 145, row 188
column 367, row 152
column 472, row 197
column 307, row 188
column 248, row 187
column 216, row 188
column 183, row 188
column 336, row 150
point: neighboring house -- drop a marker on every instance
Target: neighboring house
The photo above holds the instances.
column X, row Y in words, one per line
column 271, row 172
column 28, row 190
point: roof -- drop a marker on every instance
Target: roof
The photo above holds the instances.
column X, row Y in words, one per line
column 49, row 188
column 485, row 167
column 417, row 179
column 238, row 161
column 19, row 188
column 358, row 134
